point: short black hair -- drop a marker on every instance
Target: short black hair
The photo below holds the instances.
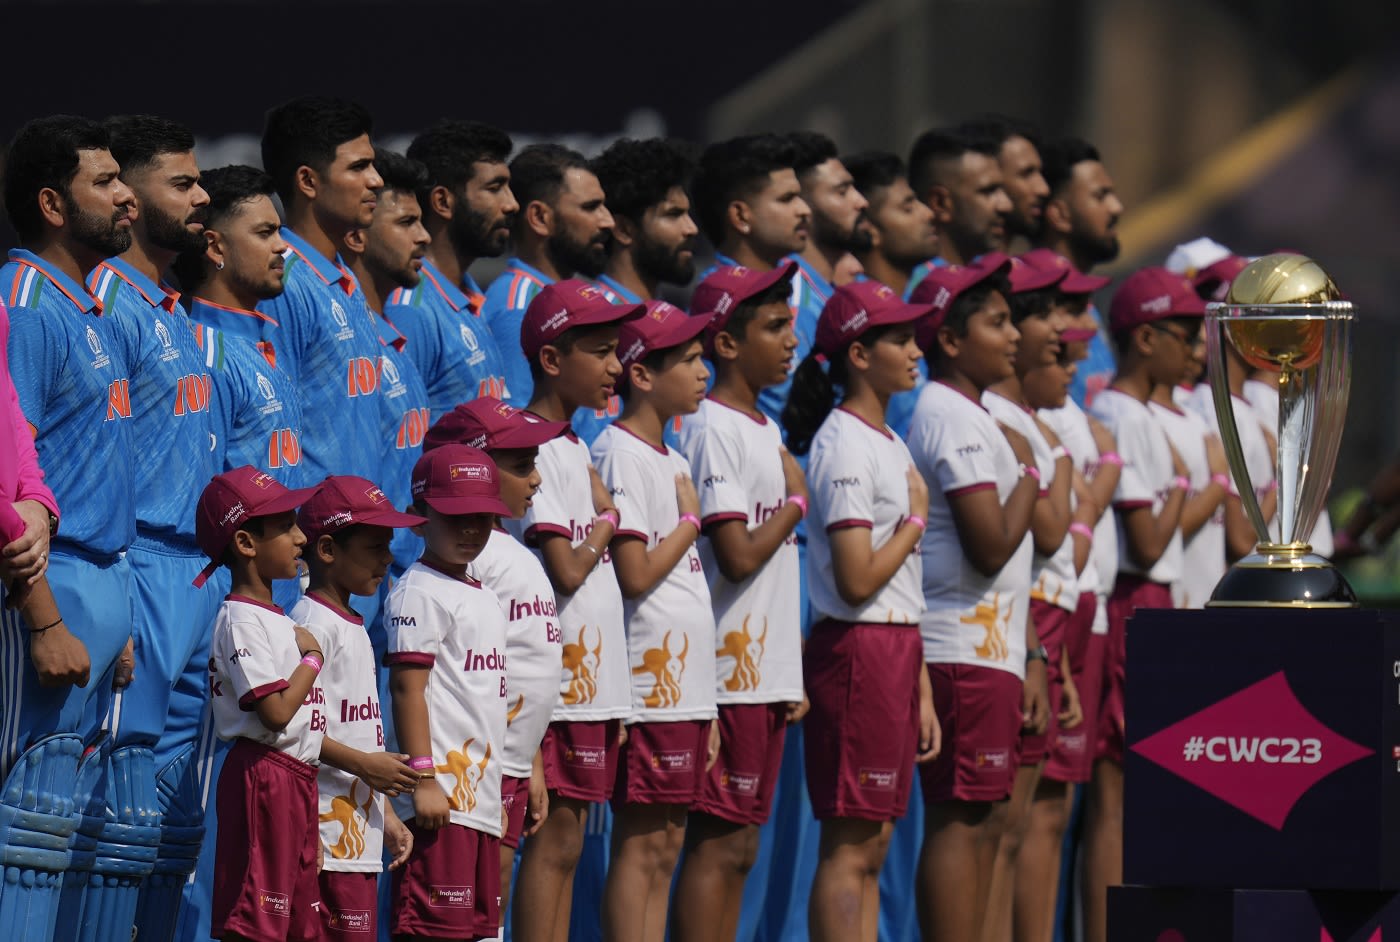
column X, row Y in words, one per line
column 993, row 130
column 874, row 170
column 228, row 188
column 138, row 139
column 935, row 146
column 1037, row 303
column 450, row 148
column 44, row 155
column 637, row 175
column 746, row 311
column 1059, row 157
column 736, row 169
column 810, row 149
column 970, row 302
column 305, row 132
column 399, row 172
column 537, row 172
column 564, row 343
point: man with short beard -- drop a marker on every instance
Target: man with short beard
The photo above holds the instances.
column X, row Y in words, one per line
column 468, row 209
column 71, row 210
column 1081, row 220
column 961, row 180
column 561, row 230
column 1017, row 146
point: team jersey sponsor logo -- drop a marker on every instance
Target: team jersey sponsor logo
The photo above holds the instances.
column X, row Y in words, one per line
column 741, row 783
column 275, row 904
column 470, row 472
column 586, row 757
column 265, row 387
column 581, row 662
column 366, row 709
column 349, row 920
column 391, row 372
column 962, row 451
column 747, row 652
column 846, row 482
column 524, row 608
column 460, row 897
column 468, row 773
column 492, row 660
column 666, row 668
column 342, row 320
column 992, row 758
column 474, row 352
column 879, row 780
column 353, row 818
column 673, row 760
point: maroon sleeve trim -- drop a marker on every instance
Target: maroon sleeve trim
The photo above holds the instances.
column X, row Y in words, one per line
column 533, row 534
column 712, row 519
column 249, row 700
column 849, row 525
column 1131, row 504
column 635, row 534
column 972, row 488
column 415, row 658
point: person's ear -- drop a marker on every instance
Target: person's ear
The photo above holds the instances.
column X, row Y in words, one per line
column 244, row 544
column 726, row 346
column 550, row 360
column 307, row 182
column 539, row 218
column 1056, row 217
column 441, row 201
column 640, row 377
column 325, row 549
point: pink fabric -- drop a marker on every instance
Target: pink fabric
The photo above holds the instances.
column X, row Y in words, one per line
column 20, row 475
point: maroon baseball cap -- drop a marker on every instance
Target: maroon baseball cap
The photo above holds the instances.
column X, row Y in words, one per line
column 1025, row 277
column 490, row 424
column 943, row 286
column 343, row 500
column 662, row 327
column 729, row 286
column 563, row 306
column 1153, row 294
column 856, row 307
column 458, row 479
column 1075, row 281
column 1215, row 279
column 232, row 499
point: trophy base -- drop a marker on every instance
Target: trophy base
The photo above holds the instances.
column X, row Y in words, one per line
column 1283, row 577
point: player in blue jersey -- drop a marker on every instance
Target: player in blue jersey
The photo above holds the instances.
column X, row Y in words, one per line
column 653, row 243
column 172, row 443
column 902, row 234
column 1081, row 223
column 70, row 210
column 319, row 155
column 1016, row 144
column 961, row 180
column 468, row 209
column 561, row 230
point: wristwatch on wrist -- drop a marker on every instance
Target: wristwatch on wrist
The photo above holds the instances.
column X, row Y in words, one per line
column 1038, row 653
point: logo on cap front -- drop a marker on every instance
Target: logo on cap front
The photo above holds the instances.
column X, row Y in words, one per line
column 883, row 292
column 470, row 472
column 589, row 293
column 855, row 322
column 338, row 519
column 1158, row 305
column 722, row 305
column 376, row 495
column 941, row 299
column 233, row 514
column 262, row 479
column 505, row 410
column 633, row 352
column 556, row 320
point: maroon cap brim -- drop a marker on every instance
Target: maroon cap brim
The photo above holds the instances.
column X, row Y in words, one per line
column 1077, row 282
column 527, row 435
column 283, row 502
column 457, row 506
column 1078, row 335
column 784, row 272
column 686, row 329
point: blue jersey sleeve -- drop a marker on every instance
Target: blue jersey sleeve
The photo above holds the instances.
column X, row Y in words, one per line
column 36, row 358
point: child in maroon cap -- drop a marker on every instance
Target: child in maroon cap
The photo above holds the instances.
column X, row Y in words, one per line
column 348, row 524
column 266, row 696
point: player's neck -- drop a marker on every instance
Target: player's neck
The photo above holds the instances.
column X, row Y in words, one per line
column 1135, row 381
column 75, row 261
column 744, row 253
column 734, row 391
column 336, row 596
column 881, row 269
column 434, row 561
column 303, row 219
column 951, row 376
column 376, row 286
column 535, row 253
column 823, row 258
column 219, row 291
column 149, row 260
column 864, row 401
column 1162, row 395
column 549, row 404
column 641, row 417
column 1010, row 388
column 445, row 258
column 951, row 252
column 623, row 270
column 250, row 584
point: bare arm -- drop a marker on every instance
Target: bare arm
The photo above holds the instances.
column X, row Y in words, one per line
column 276, row 709
column 988, row 531
column 568, row 565
column 639, row 569
column 859, row 568
column 739, row 551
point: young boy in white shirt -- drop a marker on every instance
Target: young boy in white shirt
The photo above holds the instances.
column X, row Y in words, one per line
column 672, row 734
column 447, row 662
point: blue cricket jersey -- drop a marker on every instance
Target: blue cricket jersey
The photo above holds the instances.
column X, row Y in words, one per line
column 448, row 340
column 1094, row 372
column 503, row 310
column 810, row 292
column 70, row 374
column 173, row 445
column 406, row 421
column 257, row 409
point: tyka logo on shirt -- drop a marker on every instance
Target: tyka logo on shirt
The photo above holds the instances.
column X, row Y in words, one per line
column 964, row 451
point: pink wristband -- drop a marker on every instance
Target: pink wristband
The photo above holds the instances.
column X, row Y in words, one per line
column 421, row 763
column 1082, row 529
column 1181, row 483
column 691, row 518
column 1030, row 471
column 611, row 516
column 917, row 521
column 313, row 662
column 1111, row 457
column 800, row 501
column 1221, row 478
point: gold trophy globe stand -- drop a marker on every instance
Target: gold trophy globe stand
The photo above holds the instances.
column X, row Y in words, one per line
column 1285, row 315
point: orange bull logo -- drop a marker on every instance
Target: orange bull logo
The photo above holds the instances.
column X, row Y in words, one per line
column 468, row 773
column 582, row 664
column 515, row 709
column 667, row 668
column 992, row 621
column 747, row 652
column 352, row 817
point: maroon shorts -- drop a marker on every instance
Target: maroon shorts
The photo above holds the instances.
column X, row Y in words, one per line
column 450, row 887
column 515, row 798
column 265, row 853
column 662, row 763
column 1071, row 751
column 863, row 728
column 739, row 788
column 1130, row 593
column 580, row 758
column 979, row 710
column 1050, row 621
column 349, row 906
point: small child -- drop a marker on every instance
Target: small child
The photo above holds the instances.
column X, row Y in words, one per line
column 512, row 439
column 672, row 733
column 266, row 697
column 447, row 662
column 752, row 497
column 570, row 336
column 348, row 524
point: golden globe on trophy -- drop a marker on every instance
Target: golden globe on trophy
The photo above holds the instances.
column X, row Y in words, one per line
column 1284, row 314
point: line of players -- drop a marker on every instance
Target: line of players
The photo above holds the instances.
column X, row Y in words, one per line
column 333, row 338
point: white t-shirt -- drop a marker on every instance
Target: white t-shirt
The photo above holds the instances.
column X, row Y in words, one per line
column 1258, row 456
column 253, row 652
column 856, row 474
column 1264, row 398
column 1147, row 477
column 594, row 683
column 532, row 645
column 352, row 813
column 1203, row 555
column 455, row 629
column 1053, row 578
column 969, row 618
column 1071, row 424
column 738, row 471
column 671, row 628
